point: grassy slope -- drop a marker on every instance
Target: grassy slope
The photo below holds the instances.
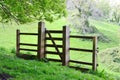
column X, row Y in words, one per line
column 7, row 36
column 21, row 69
column 110, row 30
column 8, row 33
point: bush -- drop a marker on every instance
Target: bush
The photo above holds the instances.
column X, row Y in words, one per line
column 111, row 58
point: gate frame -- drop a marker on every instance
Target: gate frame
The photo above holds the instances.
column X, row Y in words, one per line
column 41, row 45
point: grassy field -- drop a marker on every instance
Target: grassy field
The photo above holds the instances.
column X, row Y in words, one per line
column 20, row 69
column 8, row 40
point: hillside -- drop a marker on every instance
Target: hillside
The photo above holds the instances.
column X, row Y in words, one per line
column 19, row 69
column 8, row 32
column 46, row 70
column 110, row 30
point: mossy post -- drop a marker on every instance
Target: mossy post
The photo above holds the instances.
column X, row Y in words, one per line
column 41, row 40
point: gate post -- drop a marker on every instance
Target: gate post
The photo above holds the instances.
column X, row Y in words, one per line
column 94, row 66
column 17, row 42
column 41, row 40
column 66, row 45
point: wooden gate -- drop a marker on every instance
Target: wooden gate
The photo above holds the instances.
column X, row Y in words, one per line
column 44, row 35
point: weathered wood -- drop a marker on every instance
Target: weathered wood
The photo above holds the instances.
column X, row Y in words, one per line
column 41, row 40
column 87, row 37
column 27, row 56
column 27, row 44
column 45, row 42
column 64, row 55
column 17, row 42
column 66, row 46
column 80, row 62
column 94, row 67
column 28, row 33
column 55, row 31
column 51, row 45
column 28, row 49
column 85, row 50
column 59, row 39
column 54, row 44
column 52, row 52
column 78, row 68
column 56, row 60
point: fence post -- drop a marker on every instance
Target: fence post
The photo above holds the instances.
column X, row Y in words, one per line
column 45, row 42
column 41, row 40
column 17, row 42
column 66, row 45
column 94, row 67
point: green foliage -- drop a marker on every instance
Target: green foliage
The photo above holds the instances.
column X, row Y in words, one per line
column 115, row 14
column 103, row 74
column 13, row 50
column 104, row 7
column 111, row 58
column 8, row 35
column 79, row 15
column 29, row 10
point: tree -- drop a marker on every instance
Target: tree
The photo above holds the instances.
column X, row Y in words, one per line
column 115, row 14
column 79, row 15
column 104, row 7
column 23, row 11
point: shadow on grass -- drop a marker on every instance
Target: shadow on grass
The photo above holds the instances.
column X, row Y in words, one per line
column 4, row 76
column 27, row 57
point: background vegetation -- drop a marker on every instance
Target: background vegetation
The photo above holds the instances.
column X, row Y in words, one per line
column 86, row 16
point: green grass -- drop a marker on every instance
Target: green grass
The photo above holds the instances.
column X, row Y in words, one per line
column 8, row 40
column 110, row 30
column 21, row 69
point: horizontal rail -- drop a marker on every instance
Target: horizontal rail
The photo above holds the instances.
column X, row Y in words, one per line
column 28, row 50
column 51, row 52
column 54, row 31
column 88, row 37
column 50, row 45
column 80, row 62
column 78, row 68
column 56, row 60
column 59, row 39
column 27, row 56
column 28, row 33
column 27, row 44
column 85, row 50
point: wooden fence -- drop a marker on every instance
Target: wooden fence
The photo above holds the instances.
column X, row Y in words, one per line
column 65, row 46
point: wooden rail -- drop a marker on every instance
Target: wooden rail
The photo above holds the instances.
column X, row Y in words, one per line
column 87, row 37
column 51, row 52
column 55, row 31
column 85, row 50
column 93, row 51
column 80, row 62
column 27, row 44
column 28, row 33
column 28, row 49
column 64, row 55
column 50, row 45
column 78, row 68
column 59, row 39
column 56, row 60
